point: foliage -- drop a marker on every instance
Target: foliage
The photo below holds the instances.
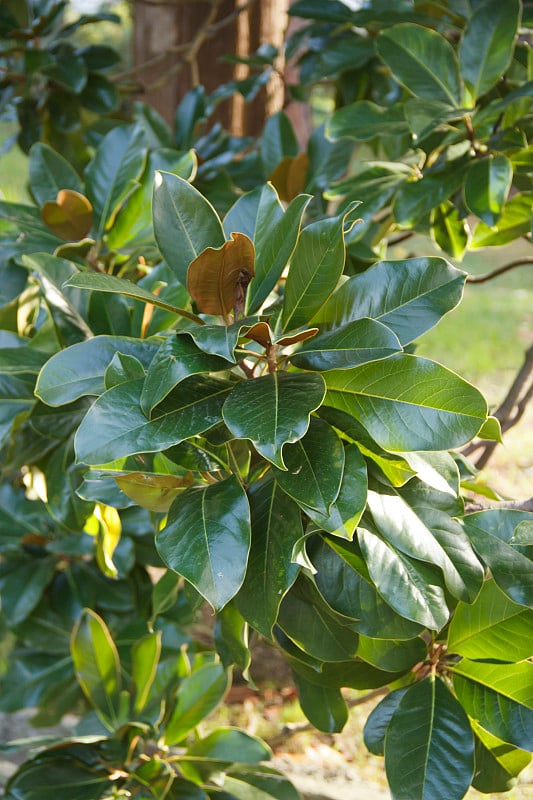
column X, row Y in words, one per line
column 209, row 394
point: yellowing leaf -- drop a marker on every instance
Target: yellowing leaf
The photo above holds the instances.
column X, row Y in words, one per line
column 290, row 176
column 217, row 279
column 154, row 492
column 108, row 538
column 69, row 216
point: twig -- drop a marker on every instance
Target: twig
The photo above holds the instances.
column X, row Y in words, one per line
column 300, row 727
column 495, row 273
column 513, row 505
column 510, row 411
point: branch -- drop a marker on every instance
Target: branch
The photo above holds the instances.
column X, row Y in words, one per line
column 514, row 505
column 188, row 51
column 510, row 411
column 495, row 273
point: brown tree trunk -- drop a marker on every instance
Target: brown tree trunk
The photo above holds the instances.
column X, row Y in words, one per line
column 178, row 44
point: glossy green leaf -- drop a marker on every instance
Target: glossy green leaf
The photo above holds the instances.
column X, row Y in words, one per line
column 487, row 185
column 273, row 410
column 276, row 527
column 123, row 368
column 242, row 216
column 185, row 223
column 429, row 746
column 523, row 534
column 313, row 626
column 115, row 425
column 409, row 297
column 343, row 581
column 231, row 744
column 449, row 231
column 22, row 585
column 499, row 697
column 277, row 141
column 198, row 695
column 276, row 236
column 258, row 783
column 493, row 627
column 15, row 399
column 79, row 370
column 231, row 638
column 316, row 266
column 413, row 589
column 110, row 283
column 408, row 403
column 49, row 173
column 110, row 176
column 392, row 655
column 349, row 505
column 350, row 345
column 207, row 539
column 364, row 120
column 96, row 663
column 325, row 708
column 415, row 199
column 378, row 722
column 486, row 47
column 145, row 658
column 177, row 358
column 497, row 763
column 490, row 532
column 315, row 467
column 423, row 61
column 56, row 776
column 515, row 221
column 221, row 340
column 423, row 116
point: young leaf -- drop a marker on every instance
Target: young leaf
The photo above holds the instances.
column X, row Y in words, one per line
column 185, row 223
column 273, row 410
column 207, row 539
column 486, row 47
column 515, row 221
column 487, row 185
column 217, row 279
column 449, row 230
column 429, row 746
column 96, row 663
column 408, row 403
column 423, row 61
column 276, row 527
column 198, row 695
column 145, row 659
column 493, row 627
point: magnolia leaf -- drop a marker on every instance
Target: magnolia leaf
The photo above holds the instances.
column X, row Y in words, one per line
column 523, row 534
column 96, row 663
column 429, row 745
column 355, row 343
column 49, row 173
column 324, row 707
column 217, row 279
column 154, row 492
column 273, row 410
column 290, row 176
column 487, row 185
column 207, row 539
column 365, row 120
column 145, row 660
column 198, row 695
column 69, row 216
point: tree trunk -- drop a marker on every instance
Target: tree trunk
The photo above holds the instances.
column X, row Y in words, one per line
column 178, row 44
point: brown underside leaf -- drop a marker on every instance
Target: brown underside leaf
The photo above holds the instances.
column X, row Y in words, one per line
column 69, row 216
column 290, row 176
column 217, row 279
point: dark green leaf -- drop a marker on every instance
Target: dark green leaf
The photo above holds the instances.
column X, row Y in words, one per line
column 365, row 120
column 115, row 425
column 49, row 173
column 409, row 297
column 350, row 345
column 22, row 584
column 57, row 776
column 231, row 744
column 185, row 223
column 79, row 370
column 497, row 763
column 145, row 659
column 515, row 221
column 408, row 403
column 325, row 708
column 415, row 199
column 429, row 746
column 487, row 43
column 259, row 783
column 378, row 722
column 273, row 410
column 449, row 230
column 278, row 140
column 207, row 539
column 315, row 467
column 423, row 61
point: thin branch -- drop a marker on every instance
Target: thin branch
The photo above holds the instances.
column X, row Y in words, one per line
column 513, row 505
column 401, row 238
column 511, row 410
column 495, row 273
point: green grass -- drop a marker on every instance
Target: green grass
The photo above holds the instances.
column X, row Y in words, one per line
column 13, row 169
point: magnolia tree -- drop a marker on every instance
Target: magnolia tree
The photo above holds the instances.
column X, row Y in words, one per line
column 211, row 394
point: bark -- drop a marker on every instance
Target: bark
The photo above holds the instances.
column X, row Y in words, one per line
column 179, row 44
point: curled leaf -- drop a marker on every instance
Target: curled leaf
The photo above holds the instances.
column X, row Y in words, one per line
column 69, row 216
column 217, row 279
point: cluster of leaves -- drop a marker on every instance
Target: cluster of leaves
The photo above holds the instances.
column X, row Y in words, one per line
column 55, row 87
column 438, row 97
column 214, row 386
